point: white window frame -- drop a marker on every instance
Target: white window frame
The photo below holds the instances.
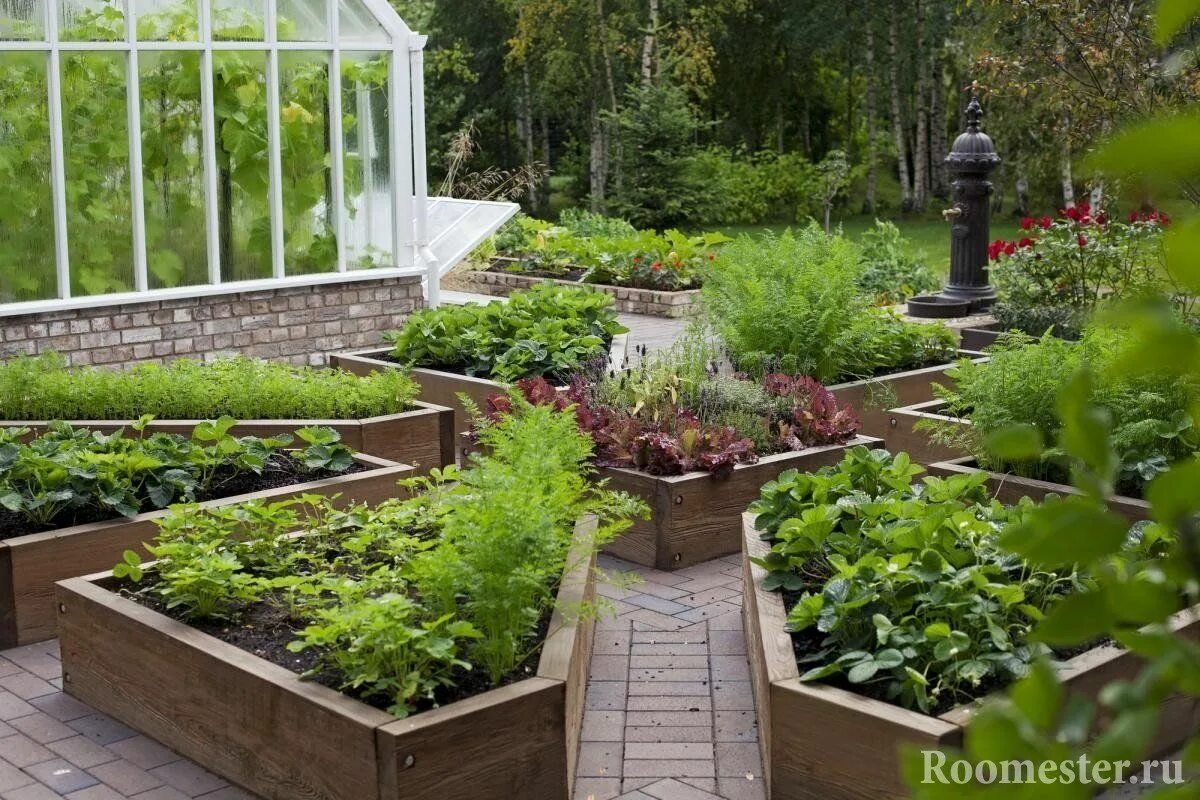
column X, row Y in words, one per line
column 411, row 255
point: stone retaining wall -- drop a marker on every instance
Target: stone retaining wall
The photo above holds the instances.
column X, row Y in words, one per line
column 295, row 323
column 632, row 301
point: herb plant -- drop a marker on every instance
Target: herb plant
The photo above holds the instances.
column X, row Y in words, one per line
column 399, row 603
column 900, row 588
column 889, row 273
column 68, row 473
column 1151, row 413
column 791, row 304
column 45, row 388
column 549, row 331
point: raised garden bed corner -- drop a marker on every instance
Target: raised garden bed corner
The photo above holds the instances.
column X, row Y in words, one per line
column 655, row 302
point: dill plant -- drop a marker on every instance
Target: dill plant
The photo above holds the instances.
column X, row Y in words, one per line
column 45, row 388
column 791, row 303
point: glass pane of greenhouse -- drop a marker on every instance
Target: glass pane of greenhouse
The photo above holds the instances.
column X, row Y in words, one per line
column 96, row 145
column 27, row 233
column 167, row 20
column 357, row 23
column 368, row 185
column 91, row 21
column 240, row 92
column 22, row 19
column 302, row 21
column 239, row 20
column 172, row 169
column 308, row 232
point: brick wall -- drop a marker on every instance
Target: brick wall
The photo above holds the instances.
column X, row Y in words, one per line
column 298, row 324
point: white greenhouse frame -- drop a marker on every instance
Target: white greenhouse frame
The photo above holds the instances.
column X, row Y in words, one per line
column 410, row 237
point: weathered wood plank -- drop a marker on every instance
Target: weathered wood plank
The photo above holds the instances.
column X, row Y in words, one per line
column 697, row 517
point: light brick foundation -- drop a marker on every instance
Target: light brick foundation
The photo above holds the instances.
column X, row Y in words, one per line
column 297, row 323
column 630, row 301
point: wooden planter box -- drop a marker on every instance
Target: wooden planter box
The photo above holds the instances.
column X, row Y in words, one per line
column 422, row 437
column 820, row 742
column 902, row 435
column 443, row 388
column 1009, row 488
column 656, row 302
column 696, row 517
column 30, row 565
column 872, row 397
column 982, row 337
column 260, row 726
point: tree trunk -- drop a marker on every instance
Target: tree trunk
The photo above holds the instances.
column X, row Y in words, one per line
column 598, row 166
column 921, row 151
column 547, row 159
column 1022, row 194
column 648, row 45
column 937, row 131
column 1097, row 196
column 897, row 114
column 602, row 134
column 868, row 206
column 806, row 124
column 850, row 51
column 1068, row 179
column 525, row 119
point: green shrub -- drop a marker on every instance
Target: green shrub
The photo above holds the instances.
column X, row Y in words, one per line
column 890, row 274
column 44, row 388
column 901, row 590
column 791, row 304
column 546, row 331
column 734, row 189
column 397, row 602
column 1151, row 413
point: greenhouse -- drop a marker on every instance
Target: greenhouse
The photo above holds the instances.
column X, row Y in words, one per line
column 599, row 400
column 166, row 148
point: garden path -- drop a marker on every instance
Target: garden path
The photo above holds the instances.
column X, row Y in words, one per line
column 669, row 714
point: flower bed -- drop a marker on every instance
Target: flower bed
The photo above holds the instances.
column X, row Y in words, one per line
column 879, row 683
column 31, row 561
column 478, row 350
column 673, row 304
column 392, row 605
column 378, row 416
column 694, row 446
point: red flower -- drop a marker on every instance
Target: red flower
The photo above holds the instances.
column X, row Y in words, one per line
column 1082, row 241
column 1046, row 222
column 656, row 266
column 712, row 256
column 1073, row 214
column 1026, row 223
column 1163, row 218
column 1010, row 248
column 1102, row 218
column 995, row 249
column 1026, row 242
column 1133, row 216
column 637, row 259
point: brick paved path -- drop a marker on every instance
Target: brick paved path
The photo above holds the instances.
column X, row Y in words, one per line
column 670, row 715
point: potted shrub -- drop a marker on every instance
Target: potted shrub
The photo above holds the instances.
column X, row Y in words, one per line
column 694, row 445
column 73, row 500
column 378, row 652
column 476, row 350
column 879, row 612
column 379, row 415
column 1149, row 414
column 792, row 304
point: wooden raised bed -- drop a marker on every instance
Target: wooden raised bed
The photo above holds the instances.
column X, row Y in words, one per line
column 902, row 435
column 820, row 742
column 422, row 437
column 443, row 388
column 697, row 517
column 872, row 397
column 1009, row 488
column 31, row 564
column 260, row 726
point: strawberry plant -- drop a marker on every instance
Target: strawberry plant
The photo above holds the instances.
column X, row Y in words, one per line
column 68, row 473
column 899, row 588
column 547, row 331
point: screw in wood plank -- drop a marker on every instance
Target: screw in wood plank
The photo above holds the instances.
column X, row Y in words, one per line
column 679, row 500
column 409, row 760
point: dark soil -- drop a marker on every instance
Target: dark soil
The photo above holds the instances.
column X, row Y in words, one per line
column 264, row 629
column 281, row 470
